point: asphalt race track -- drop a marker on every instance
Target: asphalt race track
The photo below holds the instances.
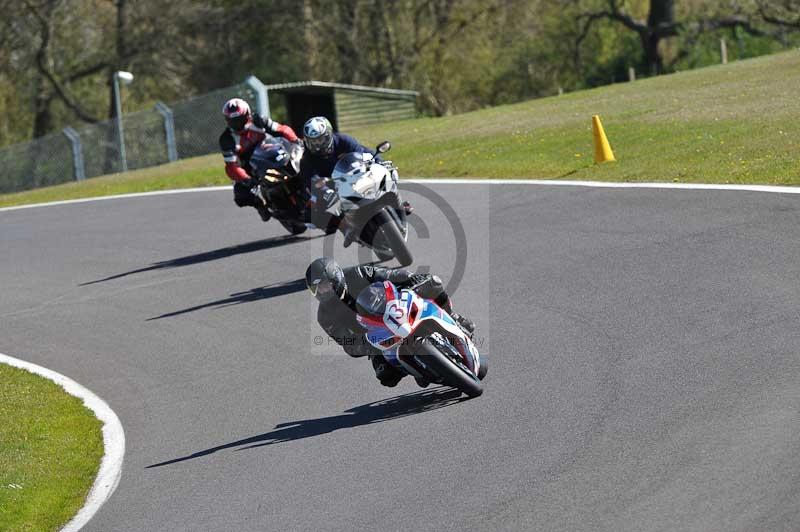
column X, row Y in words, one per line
column 645, row 363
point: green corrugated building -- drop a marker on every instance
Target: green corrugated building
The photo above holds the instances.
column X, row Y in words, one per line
column 346, row 106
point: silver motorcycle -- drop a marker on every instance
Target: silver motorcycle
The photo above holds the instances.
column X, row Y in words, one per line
column 370, row 206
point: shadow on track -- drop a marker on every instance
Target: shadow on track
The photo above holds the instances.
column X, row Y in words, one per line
column 254, row 294
column 207, row 256
column 367, row 414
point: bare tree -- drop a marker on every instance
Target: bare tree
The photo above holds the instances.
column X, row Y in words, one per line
column 782, row 13
column 33, row 28
column 661, row 23
column 69, row 46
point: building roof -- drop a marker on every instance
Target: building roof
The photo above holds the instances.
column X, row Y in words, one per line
column 303, row 86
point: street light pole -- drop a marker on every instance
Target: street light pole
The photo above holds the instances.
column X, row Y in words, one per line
column 126, row 78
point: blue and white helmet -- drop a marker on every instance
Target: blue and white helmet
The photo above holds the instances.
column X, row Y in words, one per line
column 318, row 135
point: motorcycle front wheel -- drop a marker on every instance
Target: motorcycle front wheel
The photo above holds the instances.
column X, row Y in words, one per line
column 450, row 373
column 388, row 238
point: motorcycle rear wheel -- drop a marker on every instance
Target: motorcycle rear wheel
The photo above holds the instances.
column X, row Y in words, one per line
column 294, row 228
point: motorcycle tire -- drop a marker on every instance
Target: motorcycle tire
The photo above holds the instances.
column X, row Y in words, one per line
column 484, row 369
column 392, row 236
column 371, row 236
column 383, row 255
column 450, row 373
column 294, row 228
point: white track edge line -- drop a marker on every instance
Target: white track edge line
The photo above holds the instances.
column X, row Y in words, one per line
column 775, row 189
column 117, row 196
column 113, row 441
column 607, row 184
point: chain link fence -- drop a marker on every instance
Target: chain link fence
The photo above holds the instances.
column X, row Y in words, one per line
column 183, row 129
column 198, row 122
column 91, row 150
column 39, row 163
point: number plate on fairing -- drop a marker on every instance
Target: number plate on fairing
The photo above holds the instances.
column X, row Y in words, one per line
column 399, row 316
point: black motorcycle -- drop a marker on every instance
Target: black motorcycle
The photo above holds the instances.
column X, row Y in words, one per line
column 275, row 165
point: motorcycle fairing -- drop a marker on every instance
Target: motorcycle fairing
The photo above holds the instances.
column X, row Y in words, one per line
column 403, row 314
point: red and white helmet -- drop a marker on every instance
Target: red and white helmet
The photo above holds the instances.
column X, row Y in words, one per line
column 237, row 113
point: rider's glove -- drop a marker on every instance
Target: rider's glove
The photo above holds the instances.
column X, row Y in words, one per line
column 328, row 198
column 419, row 279
column 317, row 181
column 429, row 287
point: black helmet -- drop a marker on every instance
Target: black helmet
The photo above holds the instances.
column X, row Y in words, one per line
column 326, row 280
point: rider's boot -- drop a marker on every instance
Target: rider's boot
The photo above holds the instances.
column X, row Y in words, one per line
column 467, row 324
column 423, row 383
column 262, row 211
column 407, row 208
column 384, row 372
column 332, row 227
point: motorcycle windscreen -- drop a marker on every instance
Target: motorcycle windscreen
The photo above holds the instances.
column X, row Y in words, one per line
column 272, row 160
column 351, row 165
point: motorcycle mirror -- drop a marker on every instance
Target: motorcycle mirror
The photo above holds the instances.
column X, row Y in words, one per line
column 384, row 146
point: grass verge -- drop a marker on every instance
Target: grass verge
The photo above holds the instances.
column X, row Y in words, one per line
column 51, row 446
column 736, row 123
column 188, row 173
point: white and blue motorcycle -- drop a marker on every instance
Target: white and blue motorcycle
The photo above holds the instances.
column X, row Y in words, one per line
column 419, row 338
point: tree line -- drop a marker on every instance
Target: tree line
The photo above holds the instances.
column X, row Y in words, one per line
column 57, row 57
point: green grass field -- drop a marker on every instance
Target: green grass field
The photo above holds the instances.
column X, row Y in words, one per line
column 50, row 451
column 725, row 124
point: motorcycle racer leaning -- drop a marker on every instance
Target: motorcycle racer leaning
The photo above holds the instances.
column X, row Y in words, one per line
column 337, row 290
column 244, row 132
column 324, row 147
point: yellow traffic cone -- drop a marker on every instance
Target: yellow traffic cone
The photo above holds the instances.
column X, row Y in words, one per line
column 602, row 149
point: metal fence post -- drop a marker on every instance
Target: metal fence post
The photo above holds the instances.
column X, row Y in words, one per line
column 77, row 153
column 262, row 98
column 169, row 130
column 723, row 50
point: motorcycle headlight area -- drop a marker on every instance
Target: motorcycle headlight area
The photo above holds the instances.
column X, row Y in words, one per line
column 367, row 187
